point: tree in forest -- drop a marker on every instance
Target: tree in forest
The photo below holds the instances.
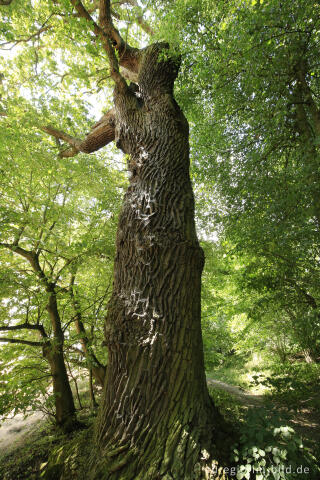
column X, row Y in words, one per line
column 30, row 316
column 157, row 419
column 50, row 243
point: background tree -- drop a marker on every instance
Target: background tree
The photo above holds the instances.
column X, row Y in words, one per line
column 255, row 126
column 51, row 229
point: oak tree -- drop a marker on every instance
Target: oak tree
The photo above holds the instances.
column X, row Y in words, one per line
column 157, row 419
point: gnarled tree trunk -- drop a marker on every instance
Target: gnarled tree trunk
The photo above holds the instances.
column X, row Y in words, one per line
column 157, row 419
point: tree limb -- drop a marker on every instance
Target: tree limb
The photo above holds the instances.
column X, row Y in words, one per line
column 22, row 342
column 102, row 133
column 44, row 28
column 24, row 40
column 25, row 326
column 32, row 258
column 108, row 35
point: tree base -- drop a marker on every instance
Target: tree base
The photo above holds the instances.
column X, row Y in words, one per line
column 179, row 459
column 183, row 452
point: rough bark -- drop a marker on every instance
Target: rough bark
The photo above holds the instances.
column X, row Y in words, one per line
column 157, row 420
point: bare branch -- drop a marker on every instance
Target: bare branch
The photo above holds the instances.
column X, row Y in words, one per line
column 102, row 133
column 44, row 28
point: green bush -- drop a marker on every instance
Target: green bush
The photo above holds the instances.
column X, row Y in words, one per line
column 269, row 449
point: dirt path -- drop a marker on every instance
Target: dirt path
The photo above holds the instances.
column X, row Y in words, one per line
column 306, row 423
column 14, row 431
column 244, row 397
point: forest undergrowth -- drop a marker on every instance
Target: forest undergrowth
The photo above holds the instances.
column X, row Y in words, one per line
column 278, row 432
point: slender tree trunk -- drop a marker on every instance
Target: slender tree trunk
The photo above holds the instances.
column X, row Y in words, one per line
column 53, row 352
column 93, row 403
column 157, row 420
column 98, row 370
column 75, row 385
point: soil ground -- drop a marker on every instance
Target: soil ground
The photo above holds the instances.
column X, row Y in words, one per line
column 15, row 431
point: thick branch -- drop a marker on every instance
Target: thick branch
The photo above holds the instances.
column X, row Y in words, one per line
column 14, row 247
column 110, row 37
column 102, row 133
column 25, row 326
column 22, row 342
column 106, row 24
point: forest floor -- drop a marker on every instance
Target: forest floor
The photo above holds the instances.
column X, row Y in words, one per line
column 26, row 442
column 15, row 431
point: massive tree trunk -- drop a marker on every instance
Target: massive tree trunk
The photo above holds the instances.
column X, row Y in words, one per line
column 157, row 419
